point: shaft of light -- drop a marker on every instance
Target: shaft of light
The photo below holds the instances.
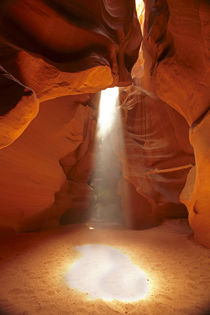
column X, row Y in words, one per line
column 139, row 7
column 107, row 110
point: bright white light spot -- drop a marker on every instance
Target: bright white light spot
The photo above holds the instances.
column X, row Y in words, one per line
column 107, row 110
column 91, row 228
column 139, row 7
column 140, row 12
column 106, row 273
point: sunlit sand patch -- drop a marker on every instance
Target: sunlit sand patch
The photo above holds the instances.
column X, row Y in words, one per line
column 106, row 273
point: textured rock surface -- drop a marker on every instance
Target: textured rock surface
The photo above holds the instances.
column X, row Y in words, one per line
column 177, row 54
column 30, row 170
column 176, row 48
column 157, row 159
column 59, row 48
column 18, row 107
column 50, row 49
column 55, row 48
column 78, row 43
column 75, row 35
column 196, row 194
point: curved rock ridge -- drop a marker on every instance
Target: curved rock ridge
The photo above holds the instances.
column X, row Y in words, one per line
column 196, row 193
column 19, row 106
column 157, row 159
column 31, row 174
column 177, row 54
column 59, row 48
column 73, row 36
column 176, row 49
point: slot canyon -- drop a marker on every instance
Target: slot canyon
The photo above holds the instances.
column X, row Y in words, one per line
column 105, row 157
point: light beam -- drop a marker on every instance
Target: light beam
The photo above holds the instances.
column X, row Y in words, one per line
column 107, row 110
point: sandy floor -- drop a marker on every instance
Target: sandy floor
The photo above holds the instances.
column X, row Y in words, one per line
column 33, row 268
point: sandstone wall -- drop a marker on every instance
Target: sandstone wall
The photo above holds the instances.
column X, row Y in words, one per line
column 50, row 49
column 176, row 50
column 30, row 168
column 58, row 48
column 157, row 158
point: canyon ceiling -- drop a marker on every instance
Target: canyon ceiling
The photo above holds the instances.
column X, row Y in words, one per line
column 55, row 56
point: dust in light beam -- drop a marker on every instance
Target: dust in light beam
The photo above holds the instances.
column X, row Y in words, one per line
column 139, row 7
column 106, row 273
column 107, row 110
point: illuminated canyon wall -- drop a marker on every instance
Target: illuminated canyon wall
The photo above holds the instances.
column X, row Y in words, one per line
column 52, row 49
column 176, row 51
column 58, row 48
column 158, row 157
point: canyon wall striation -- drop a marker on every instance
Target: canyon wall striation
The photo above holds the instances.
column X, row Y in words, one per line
column 56, row 48
column 48, row 50
column 176, row 52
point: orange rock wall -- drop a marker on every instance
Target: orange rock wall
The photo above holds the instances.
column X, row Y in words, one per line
column 157, row 159
column 30, row 170
column 19, row 105
column 51, row 49
column 176, row 50
column 59, row 48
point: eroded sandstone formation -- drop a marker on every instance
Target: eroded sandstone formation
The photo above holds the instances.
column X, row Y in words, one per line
column 19, row 106
column 177, row 54
column 59, row 48
column 31, row 173
column 49, row 49
column 157, row 159
column 196, row 193
column 176, row 50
